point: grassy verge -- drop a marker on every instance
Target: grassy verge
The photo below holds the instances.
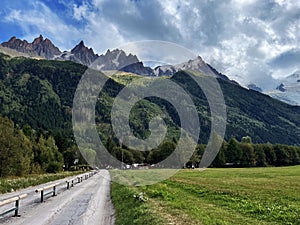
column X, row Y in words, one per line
column 131, row 210
column 218, row 196
column 15, row 183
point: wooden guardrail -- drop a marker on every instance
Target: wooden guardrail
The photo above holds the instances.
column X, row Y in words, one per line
column 43, row 189
column 15, row 199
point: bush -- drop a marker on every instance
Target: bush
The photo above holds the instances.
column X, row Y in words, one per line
column 54, row 167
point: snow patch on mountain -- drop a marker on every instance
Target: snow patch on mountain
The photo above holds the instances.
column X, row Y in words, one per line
column 289, row 89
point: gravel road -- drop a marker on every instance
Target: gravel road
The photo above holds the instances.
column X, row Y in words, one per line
column 87, row 203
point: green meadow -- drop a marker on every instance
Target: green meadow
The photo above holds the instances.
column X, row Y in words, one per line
column 268, row 195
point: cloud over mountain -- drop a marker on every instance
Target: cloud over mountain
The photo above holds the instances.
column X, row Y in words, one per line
column 248, row 40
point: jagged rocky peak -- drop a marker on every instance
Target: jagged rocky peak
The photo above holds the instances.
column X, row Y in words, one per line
column 17, row 44
column 120, row 55
column 81, row 43
column 39, row 47
column 81, row 46
column 38, row 40
column 115, row 60
column 13, row 38
column 82, row 54
column 13, row 41
column 198, row 60
column 196, row 64
column 45, row 48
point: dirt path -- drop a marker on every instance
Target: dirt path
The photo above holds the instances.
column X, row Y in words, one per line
column 87, row 203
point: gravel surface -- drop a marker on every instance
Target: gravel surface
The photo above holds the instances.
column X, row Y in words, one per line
column 87, row 203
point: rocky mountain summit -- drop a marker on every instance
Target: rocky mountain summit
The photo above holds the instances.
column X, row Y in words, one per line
column 39, row 47
column 197, row 64
column 287, row 90
column 116, row 59
column 194, row 65
column 44, row 48
column 80, row 54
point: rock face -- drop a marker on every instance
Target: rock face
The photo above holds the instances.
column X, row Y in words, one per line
column 81, row 54
column 138, row 68
column 115, row 60
column 111, row 60
column 39, row 47
column 281, row 88
column 193, row 65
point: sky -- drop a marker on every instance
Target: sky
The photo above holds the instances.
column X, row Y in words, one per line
column 251, row 41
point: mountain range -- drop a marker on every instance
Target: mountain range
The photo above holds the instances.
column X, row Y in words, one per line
column 287, row 91
column 44, row 48
column 40, row 93
column 41, row 47
column 111, row 60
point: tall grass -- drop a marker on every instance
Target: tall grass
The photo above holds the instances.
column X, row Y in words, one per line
column 14, row 183
column 219, row 196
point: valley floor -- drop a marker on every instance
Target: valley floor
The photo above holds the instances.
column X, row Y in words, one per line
column 214, row 196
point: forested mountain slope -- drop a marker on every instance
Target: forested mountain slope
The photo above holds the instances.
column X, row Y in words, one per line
column 40, row 93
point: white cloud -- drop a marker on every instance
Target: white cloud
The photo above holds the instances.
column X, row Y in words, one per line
column 41, row 20
column 101, row 35
column 239, row 38
column 80, row 11
column 169, row 53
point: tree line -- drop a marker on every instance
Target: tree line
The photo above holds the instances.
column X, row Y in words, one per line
column 26, row 151
column 233, row 153
column 244, row 153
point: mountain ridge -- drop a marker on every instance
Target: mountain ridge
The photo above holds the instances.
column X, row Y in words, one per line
column 41, row 92
column 39, row 47
column 80, row 54
column 197, row 64
column 116, row 59
column 44, row 48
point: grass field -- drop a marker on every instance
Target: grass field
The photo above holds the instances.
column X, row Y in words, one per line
column 14, row 183
column 214, row 196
